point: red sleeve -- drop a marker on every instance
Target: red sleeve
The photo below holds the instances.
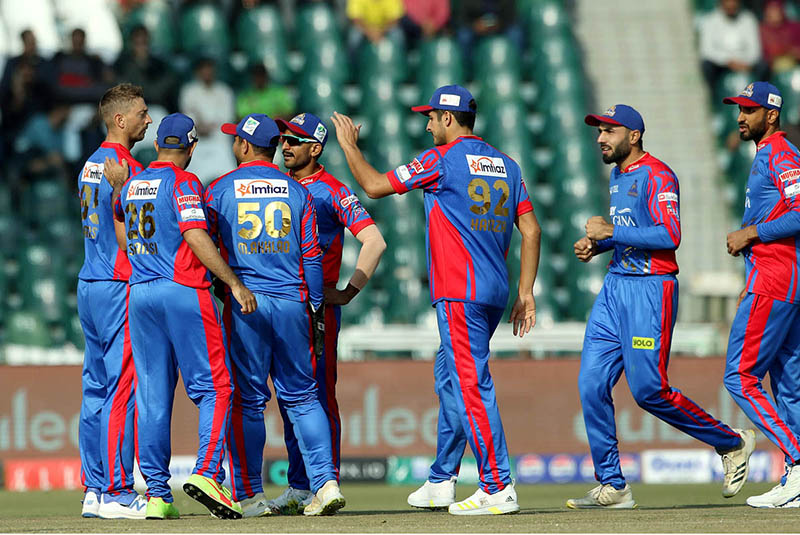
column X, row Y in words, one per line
column 422, row 173
column 188, row 202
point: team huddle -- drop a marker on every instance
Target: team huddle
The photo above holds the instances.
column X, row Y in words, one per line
column 159, row 246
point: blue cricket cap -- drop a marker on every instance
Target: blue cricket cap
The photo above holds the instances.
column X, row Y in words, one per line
column 620, row 115
column 179, row 126
column 762, row 94
column 448, row 97
column 306, row 125
column 256, row 128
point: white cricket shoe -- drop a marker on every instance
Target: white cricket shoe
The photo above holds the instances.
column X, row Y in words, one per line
column 136, row 510
column 289, row 503
column 480, row 503
column 780, row 494
column 434, row 495
column 326, row 501
column 736, row 465
column 255, row 506
column 604, row 497
column 91, row 503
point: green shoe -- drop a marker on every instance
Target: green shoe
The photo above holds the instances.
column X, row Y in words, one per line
column 158, row 509
column 213, row 496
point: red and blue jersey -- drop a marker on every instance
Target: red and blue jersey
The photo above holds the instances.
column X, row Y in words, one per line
column 337, row 207
column 158, row 205
column 266, row 228
column 645, row 211
column 103, row 259
column 772, row 203
column 473, row 194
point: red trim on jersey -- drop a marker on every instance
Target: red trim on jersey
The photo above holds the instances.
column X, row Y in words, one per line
column 751, row 387
column 452, row 274
column 468, row 382
column 329, row 371
column 221, row 379
column 770, row 139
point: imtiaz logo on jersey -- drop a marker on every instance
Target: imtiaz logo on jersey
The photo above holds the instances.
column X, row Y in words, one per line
column 486, row 165
column 92, row 172
column 640, row 342
column 143, row 189
column 261, row 187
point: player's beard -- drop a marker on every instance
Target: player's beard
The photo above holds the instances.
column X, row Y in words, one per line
column 754, row 133
column 618, row 153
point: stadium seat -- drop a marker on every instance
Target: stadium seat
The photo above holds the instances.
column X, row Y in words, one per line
column 386, row 58
column 27, row 328
column 260, row 36
column 386, row 140
column 788, row 82
column 315, row 21
column 204, row 32
column 329, row 58
column 158, row 19
column 441, row 63
column 493, row 56
column 50, row 197
column 319, row 94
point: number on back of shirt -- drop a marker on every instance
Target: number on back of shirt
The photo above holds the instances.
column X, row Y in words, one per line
column 277, row 219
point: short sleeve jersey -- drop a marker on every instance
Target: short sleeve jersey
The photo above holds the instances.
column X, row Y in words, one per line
column 103, row 259
column 158, row 206
column 645, row 211
column 773, row 190
column 337, row 208
column 266, row 228
column 473, row 194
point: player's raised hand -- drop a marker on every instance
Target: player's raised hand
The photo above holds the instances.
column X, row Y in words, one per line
column 116, row 173
column 245, row 298
column 523, row 314
column 346, row 131
column 584, row 249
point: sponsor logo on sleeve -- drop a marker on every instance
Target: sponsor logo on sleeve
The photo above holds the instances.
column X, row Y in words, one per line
column 347, row 201
column 260, row 188
column 641, row 342
column 447, row 99
column 416, row 166
column 189, row 199
column 667, row 196
column 402, row 173
column 92, row 172
column 250, row 125
column 193, row 214
column 613, row 189
column 791, row 174
column 792, row 190
column 486, row 166
column 143, row 189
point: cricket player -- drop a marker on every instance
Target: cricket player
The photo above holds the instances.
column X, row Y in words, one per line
column 302, row 142
column 106, row 430
column 174, row 321
column 473, row 195
column 266, row 228
column 630, row 327
column 765, row 335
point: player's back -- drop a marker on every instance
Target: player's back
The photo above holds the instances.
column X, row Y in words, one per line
column 103, row 259
column 158, row 205
column 471, row 214
column 264, row 220
column 773, row 190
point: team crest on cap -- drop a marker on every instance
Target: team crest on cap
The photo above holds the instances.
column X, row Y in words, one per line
column 610, row 112
column 320, row 132
column 250, row 125
column 299, row 119
column 748, row 91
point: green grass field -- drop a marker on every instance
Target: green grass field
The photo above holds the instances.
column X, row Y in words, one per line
column 380, row 508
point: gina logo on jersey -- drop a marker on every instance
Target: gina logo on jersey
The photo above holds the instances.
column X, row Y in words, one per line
column 640, row 342
column 143, row 189
column 486, row 166
column 258, row 188
column 92, row 172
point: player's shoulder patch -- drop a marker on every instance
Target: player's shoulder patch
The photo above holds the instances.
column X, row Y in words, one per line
column 484, row 165
column 790, row 174
column 143, row 189
column 92, row 172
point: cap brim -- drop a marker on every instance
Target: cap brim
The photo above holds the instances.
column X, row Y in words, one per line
column 422, row 109
column 228, row 128
column 741, row 101
column 292, row 127
column 596, row 120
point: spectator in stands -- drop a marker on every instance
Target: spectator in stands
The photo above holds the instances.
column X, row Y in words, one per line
column 780, row 38
column 424, row 18
column 140, row 67
column 262, row 97
column 40, row 144
column 729, row 41
column 30, row 55
column 211, row 103
column 477, row 18
column 373, row 19
column 79, row 76
column 22, row 95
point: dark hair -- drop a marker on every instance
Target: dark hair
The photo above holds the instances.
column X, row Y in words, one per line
column 268, row 152
column 139, row 28
column 118, row 99
column 463, row 118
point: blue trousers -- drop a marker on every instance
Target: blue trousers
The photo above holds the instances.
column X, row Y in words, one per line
column 106, row 429
column 174, row 327
column 325, row 374
column 274, row 341
column 468, row 409
column 765, row 337
column 630, row 329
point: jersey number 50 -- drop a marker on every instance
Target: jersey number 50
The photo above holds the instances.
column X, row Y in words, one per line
column 246, row 215
column 478, row 190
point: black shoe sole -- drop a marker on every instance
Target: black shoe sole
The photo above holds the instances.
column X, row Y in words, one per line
column 216, row 508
